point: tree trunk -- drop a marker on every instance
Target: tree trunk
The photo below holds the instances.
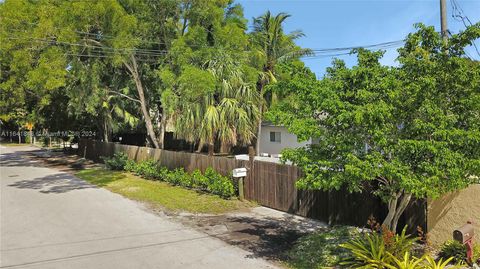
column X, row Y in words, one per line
column 200, row 146
column 19, row 137
column 211, row 149
column 143, row 103
column 259, row 133
column 396, row 206
column 161, row 137
column 105, row 130
column 260, row 85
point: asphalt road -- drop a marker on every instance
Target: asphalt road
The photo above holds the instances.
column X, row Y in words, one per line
column 50, row 219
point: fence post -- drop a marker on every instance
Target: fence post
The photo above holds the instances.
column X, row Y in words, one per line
column 241, row 194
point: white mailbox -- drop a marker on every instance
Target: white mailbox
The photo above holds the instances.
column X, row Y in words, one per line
column 240, row 172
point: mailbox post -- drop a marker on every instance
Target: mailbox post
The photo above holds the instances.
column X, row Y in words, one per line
column 240, row 173
column 464, row 235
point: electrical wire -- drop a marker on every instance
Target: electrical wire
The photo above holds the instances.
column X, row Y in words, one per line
column 318, row 53
column 459, row 15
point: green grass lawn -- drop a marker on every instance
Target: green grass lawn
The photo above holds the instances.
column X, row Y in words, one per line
column 13, row 144
column 159, row 193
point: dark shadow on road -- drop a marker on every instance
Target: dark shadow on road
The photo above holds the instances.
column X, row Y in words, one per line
column 17, row 159
column 56, row 183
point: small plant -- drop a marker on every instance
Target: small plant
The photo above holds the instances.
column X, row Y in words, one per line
column 430, row 263
column 455, row 250
column 400, row 243
column 199, row 181
column 367, row 251
column 130, row 166
column 219, row 184
column 476, row 254
column 117, row 162
column 408, row 262
column 378, row 248
column 178, row 177
column 148, row 169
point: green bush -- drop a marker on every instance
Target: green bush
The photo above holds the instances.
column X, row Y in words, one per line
column 377, row 249
column 384, row 249
column 218, row 184
column 117, row 162
column 130, row 166
column 453, row 249
column 178, row 177
column 211, row 181
column 367, row 251
column 148, row 169
column 431, row 263
column 199, row 181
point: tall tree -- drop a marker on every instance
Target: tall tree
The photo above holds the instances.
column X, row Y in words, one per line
column 208, row 79
column 272, row 47
column 29, row 68
column 411, row 131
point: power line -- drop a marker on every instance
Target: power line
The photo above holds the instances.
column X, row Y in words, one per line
column 319, row 53
column 104, row 48
column 459, row 15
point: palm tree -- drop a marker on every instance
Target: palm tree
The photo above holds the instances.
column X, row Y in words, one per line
column 273, row 47
column 227, row 114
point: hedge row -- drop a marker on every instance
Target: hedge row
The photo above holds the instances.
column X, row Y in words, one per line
column 210, row 181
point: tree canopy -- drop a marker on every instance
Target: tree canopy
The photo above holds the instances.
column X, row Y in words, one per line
column 187, row 66
column 407, row 131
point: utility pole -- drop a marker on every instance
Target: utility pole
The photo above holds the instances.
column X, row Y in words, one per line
column 443, row 19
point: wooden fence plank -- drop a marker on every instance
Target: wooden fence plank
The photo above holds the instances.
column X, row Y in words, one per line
column 269, row 184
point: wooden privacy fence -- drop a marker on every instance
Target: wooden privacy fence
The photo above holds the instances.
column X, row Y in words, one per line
column 94, row 150
column 270, row 184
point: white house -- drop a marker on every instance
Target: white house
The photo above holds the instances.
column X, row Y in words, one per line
column 274, row 138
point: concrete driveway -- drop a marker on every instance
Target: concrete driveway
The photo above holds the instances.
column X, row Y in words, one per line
column 50, row 219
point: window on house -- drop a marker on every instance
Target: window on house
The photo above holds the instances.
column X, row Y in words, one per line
column 275, row 137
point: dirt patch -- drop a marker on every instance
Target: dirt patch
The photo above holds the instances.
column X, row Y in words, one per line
column 265, row 235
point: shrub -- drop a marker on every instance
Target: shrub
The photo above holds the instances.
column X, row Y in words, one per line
column 407, row 262
column 117, row 162
column 163, row 173
column 425, row 262
column 218, row 184
column 430, row 263
column 211, row 181
column 148, row 169
column 394, row 251
column 453, row 249
column 130, row 166
column 199, row 181
column 376, row 249
column 367, row 251
column 177, row 177
column 400, row 243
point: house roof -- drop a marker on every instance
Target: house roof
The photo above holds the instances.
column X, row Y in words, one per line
column 269, row 123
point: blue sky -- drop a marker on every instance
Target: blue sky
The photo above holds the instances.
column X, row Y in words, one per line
column 339, row 23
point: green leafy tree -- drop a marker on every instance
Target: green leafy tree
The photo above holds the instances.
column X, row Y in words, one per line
column 411, row 131
column 51, row 44
column 29, row 70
